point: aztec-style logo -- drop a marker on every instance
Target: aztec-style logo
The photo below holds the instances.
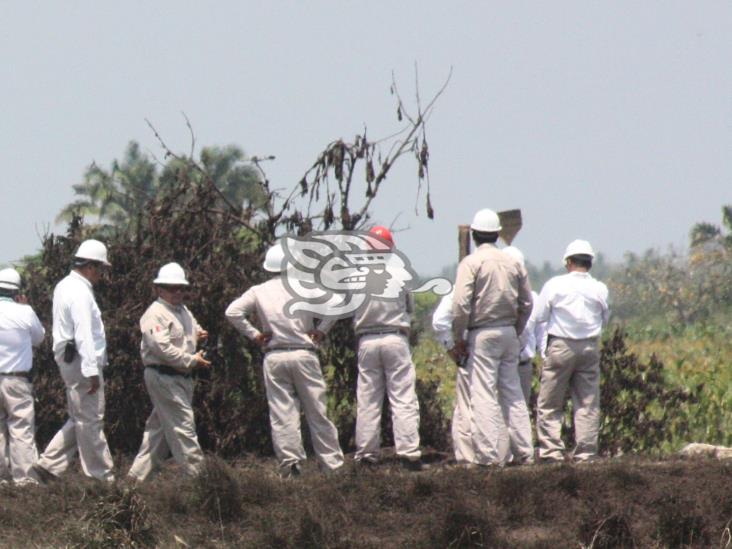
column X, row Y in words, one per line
column 333, row 273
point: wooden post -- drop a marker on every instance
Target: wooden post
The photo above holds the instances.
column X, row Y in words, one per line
column 463, row 241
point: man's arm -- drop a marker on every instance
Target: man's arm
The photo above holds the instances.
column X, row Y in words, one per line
column 238, row 311
column 81, row 315
column 462, row 299
column 525, row 300
column 37, row 331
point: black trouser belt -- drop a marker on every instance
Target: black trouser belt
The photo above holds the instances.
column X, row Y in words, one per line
column 289, row 348
column 26, row 375
column 381, row 332
column 167, row 370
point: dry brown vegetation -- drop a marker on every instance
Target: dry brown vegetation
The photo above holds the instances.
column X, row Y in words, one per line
column 615, row 503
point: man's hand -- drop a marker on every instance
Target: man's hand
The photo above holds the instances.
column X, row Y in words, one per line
column 459, row 352
column 199, row 361
column 94, row 382
column 262, row 339
column 317, row 336
column 22, row 299
column 202, row 334
column 455, row 355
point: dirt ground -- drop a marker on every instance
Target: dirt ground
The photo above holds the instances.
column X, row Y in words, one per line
column 626, row 502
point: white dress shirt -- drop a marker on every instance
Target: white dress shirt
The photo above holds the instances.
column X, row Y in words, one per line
column 574, row 306
column 442, row 322
column 20, row 331
column 533, row 338
column 76, row 317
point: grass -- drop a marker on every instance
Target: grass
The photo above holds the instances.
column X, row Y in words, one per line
column 623, row 502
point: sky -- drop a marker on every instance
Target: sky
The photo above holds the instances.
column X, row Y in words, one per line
column 607, row 121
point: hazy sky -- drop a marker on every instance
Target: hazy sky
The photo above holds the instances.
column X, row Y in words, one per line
column 610, row 121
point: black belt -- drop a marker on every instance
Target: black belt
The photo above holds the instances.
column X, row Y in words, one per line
column 381, row 332
column 289, row 348
column 26, row 375
column 167, row 370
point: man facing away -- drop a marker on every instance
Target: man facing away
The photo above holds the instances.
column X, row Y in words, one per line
column 20, row 331
column 575, row 308
column 292, row 374
column 170, row 335
column 385, row 366
column 492, row 301
column 80, row 350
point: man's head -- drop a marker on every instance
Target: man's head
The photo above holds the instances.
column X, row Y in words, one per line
column 90, row 260
column 485, row 227
column 171, row 283
column 578, row 256
column 10, row 283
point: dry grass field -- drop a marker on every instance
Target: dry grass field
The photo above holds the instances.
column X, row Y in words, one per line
column 624, row 502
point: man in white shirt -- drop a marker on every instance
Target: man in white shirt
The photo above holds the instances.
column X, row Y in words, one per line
column 170, row 335
column 462, row 443
column 292, row 374
column 20, row 331
column 575, row 307
column 80, row 350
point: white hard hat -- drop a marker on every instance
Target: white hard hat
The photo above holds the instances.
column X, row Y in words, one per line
column 578, row 247
column 94, row 251
column 275, row 258
column 10, row 279
column 171, row 274
column 514, row 252
column 486, row 221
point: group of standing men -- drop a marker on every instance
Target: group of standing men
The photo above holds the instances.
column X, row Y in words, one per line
column 170, row 336
column 492, row 326
column 487, row 325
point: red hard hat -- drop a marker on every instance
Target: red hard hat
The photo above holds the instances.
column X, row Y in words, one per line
column 383, row 233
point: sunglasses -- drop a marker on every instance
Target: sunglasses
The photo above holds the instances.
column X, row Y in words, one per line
column 175, row 289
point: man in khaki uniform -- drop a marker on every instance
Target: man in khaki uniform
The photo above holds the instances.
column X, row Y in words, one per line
column 492, row 300
column 80, row 350
column 20, row 331
column 292, row 373
column 385, row 365
column 170, row 334
column 575, row 308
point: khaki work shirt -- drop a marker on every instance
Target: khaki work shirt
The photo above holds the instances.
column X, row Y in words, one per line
column 268, row 301
column 379, row 314
column 491, row 289
column 169, row 335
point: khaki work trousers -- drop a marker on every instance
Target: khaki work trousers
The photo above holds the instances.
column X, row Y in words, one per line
column 293, row 379
column 385, row 365
column 526, row 373
column 574, row 365
column 499, row 417
column 83, row 431
column 170, row 429
column 462, row 442
column 17, row 422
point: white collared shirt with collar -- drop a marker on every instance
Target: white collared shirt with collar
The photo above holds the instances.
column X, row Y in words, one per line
column 574, row 305
column 76, row 317
column 20, row 331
